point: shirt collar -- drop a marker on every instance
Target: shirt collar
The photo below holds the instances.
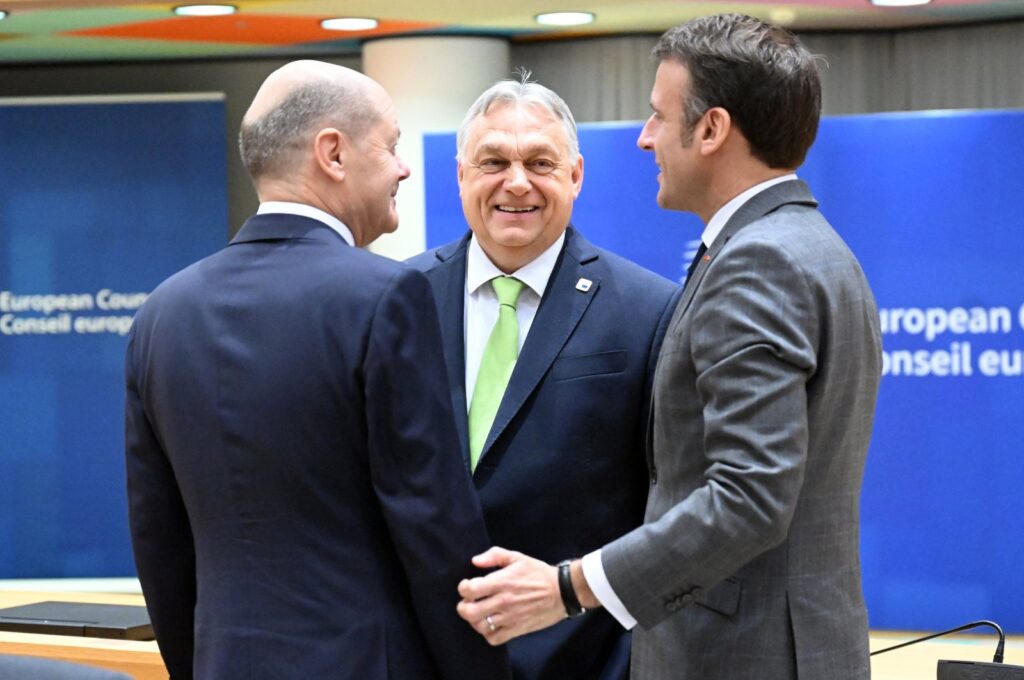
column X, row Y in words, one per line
column 535, row 274
column 303, row 210
column 721, row 218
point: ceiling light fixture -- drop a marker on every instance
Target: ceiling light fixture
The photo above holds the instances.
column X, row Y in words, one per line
column 204, row 10
column 899, row 3
column 3, row 15
column 565, row 18
column 782, row 16
column 349, row 24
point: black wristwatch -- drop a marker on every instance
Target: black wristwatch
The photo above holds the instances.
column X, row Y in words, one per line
column 573, row 608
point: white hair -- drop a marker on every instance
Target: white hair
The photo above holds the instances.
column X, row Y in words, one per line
column 520, row 92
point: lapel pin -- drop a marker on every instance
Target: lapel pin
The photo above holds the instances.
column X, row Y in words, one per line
column 583, row 285
column 707, row 258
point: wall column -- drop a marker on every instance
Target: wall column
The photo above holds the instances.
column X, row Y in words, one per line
column 433, row 81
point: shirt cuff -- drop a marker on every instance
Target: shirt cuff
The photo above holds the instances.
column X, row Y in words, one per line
column 593, row 571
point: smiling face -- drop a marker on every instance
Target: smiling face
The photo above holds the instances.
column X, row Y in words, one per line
column 680, row 184
column 517, row 181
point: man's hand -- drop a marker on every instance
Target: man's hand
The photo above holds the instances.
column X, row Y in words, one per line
column 520, row 598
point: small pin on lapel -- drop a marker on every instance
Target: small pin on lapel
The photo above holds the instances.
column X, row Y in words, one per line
column 707, row 258
column 583, row 285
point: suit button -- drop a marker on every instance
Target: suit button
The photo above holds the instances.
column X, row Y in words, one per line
column 686, row 599
column 672, row 605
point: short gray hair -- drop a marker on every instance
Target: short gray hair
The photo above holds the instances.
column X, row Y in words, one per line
column 520, row 92
column 270, row 144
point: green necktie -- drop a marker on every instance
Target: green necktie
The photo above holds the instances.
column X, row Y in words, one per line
column 496, row 365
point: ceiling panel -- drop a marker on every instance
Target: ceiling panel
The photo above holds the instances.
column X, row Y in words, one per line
column 77, row 30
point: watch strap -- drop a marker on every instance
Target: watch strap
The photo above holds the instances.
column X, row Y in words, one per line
column 573, row 608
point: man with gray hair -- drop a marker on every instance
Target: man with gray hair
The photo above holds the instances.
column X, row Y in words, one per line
column 550, row 345
column 298, row 507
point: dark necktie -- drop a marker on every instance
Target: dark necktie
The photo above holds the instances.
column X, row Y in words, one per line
column 696, row 258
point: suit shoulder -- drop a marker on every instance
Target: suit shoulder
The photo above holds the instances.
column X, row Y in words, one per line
column 373, row 264
column 798, row 233
column 435, row 257
column 425, row 261
column 185, row 281
column 640, row 279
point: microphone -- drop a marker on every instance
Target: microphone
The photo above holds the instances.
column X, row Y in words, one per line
column 970, row 670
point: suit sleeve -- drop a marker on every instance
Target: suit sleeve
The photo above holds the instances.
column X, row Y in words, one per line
column 420, row 476
column 160, row 530
column 753, row 328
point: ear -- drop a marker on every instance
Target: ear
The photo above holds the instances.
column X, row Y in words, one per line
column 460, row 173
column 330, row 149
column 714, row 129
column 576, row 175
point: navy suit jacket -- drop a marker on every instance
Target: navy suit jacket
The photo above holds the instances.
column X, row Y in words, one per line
column 298, row 505
column 563, row 470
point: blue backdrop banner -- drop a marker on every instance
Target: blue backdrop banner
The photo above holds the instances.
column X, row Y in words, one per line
column 929, row 202
column 100, row 200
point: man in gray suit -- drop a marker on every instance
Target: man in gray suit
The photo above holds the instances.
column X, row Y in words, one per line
column 747, row 565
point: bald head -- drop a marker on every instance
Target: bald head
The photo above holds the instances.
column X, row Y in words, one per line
column 294, row 103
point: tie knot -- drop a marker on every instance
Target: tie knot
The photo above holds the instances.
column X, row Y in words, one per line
column 507, row 288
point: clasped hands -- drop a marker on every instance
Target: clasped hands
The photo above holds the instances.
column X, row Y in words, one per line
column 521, row 597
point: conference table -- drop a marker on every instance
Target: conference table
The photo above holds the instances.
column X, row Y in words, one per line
column 142, row 660
column 918, row 662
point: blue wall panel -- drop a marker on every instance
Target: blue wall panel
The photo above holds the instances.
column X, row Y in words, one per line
column 93, row 197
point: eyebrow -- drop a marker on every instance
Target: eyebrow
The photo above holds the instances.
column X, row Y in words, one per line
column 530, row 150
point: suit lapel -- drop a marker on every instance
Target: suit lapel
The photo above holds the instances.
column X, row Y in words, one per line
column 559, row 313
column 769, row 200
column 449, row 280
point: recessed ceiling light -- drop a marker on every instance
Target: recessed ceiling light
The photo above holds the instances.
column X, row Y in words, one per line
column 349, row 24
column 204, row 10
column 899, row 3
column 3, row 15
column 782, row 16
column 565, row 18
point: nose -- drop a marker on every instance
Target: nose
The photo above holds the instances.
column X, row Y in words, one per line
column 516, row 180
column 646, row 139
column 403, row 169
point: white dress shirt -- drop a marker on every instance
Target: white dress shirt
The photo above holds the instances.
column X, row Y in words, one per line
column 593, row 569
column 303, row 210
column 481, row 303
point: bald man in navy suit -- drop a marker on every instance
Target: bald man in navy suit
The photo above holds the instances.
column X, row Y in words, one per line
column 298, row 505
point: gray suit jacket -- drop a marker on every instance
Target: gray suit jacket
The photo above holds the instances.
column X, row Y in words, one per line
column 748, row 563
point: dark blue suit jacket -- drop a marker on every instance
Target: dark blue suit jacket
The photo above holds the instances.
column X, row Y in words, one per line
column 563, row 470
column 298, row 505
